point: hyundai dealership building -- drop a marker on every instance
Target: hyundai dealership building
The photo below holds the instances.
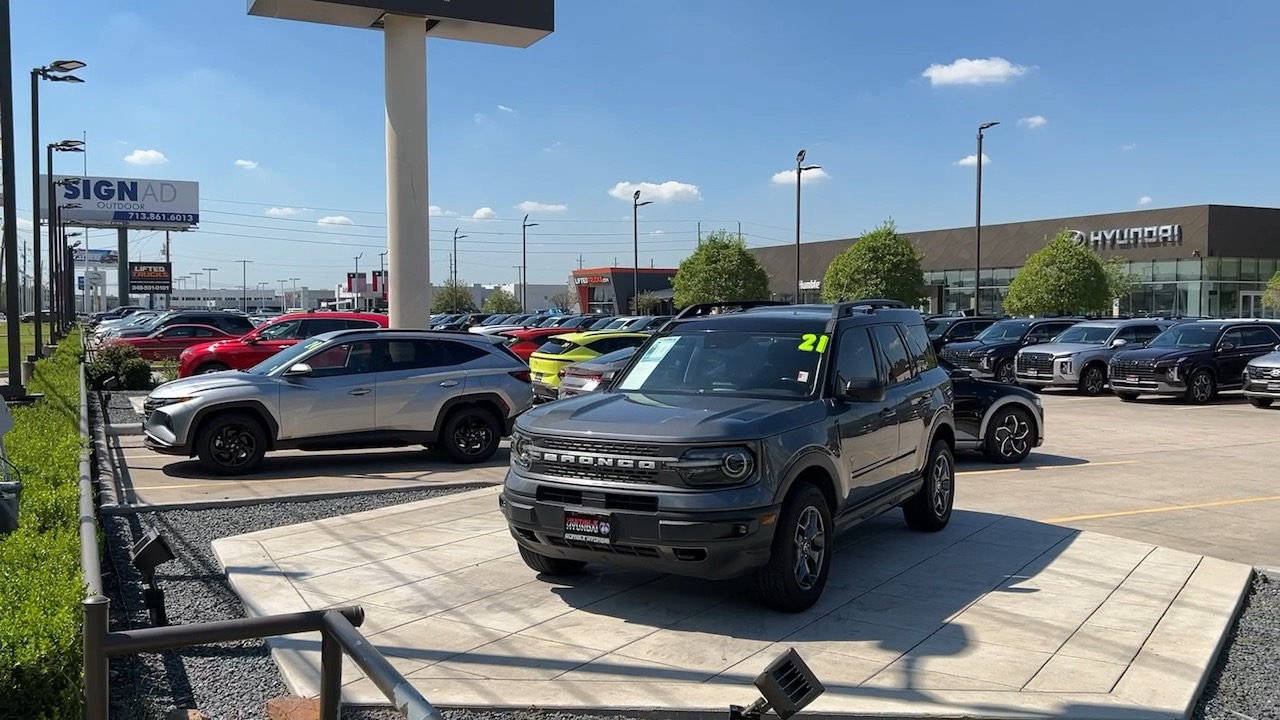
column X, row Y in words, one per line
column 1212, row 260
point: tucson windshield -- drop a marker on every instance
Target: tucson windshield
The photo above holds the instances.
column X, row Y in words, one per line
column 1005, row 330
column 732, row 363
column 1186, row 336
column 287, row 357
column 1086, row 334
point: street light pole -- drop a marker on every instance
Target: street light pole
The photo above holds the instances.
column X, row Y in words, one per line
column 453, row 270
column 801, row 169
column 244, row 284
column 977, row 225
column 635, row 247
column 355, row 283
column 524, row 261
column 51, row 228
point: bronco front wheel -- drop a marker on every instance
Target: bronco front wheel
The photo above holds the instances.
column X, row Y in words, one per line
column 800, row 558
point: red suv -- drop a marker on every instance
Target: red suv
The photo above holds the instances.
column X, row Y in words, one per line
column 268, row 339
column 525, row 341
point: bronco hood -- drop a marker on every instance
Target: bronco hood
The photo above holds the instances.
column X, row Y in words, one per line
column 670, row 418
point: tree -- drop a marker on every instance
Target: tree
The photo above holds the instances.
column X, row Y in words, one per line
column 501, row 301
column 565, row 300
column 1271, row 296
column 1062, row 277
column 880, row 264
column 645, row 303
column 1120, row 282
column 721, row 269
column 452, row 297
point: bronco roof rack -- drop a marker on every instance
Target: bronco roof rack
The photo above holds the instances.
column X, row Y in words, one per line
column 704, row 309
column 865, row 305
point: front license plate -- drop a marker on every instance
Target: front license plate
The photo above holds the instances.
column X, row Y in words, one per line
column 1132, row 379
column 588, row 527
column 1033, row 372
column 1274, row 387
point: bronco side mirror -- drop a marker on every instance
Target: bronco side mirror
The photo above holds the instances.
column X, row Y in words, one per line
column 863, row 390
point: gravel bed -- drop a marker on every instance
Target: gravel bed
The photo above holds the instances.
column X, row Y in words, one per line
column 119, row 410
column 1246, row 681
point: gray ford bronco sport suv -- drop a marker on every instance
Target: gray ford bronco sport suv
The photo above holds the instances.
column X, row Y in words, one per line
column 740, row 439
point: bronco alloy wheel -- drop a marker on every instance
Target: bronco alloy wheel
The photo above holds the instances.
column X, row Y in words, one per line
column 930, row 509
column 1093, row 380
column 1201, row 387
column 232, row 444
column 800, row 557
column 1010, row 434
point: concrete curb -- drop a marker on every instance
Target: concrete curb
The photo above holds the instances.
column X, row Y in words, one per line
column 307, row 497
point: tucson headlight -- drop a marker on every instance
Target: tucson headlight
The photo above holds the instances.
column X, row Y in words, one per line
column 158, row 402
column 715, row 466
column 520, row 447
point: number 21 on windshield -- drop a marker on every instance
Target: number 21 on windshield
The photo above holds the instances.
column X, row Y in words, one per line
column 813, row 343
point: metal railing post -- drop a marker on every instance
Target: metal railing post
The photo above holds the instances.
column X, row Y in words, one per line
column 403, row 696
column 330, row 677
column 97, row 694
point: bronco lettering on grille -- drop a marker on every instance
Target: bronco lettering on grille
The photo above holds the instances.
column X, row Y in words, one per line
column 595, row 460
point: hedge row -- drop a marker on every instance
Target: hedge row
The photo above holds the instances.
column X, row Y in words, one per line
column 40, row 581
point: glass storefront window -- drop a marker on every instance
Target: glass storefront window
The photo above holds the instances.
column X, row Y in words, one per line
column 1228, row 269
column 1141, row 269
column 1189, row 269
column 1266, row 269
column 1164, row 270
column 1249, row 269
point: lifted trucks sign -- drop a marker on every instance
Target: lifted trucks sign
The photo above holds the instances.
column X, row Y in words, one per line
column 145, row 278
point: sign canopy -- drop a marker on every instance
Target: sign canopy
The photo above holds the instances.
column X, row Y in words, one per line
column 513, row 23
column 110, row 202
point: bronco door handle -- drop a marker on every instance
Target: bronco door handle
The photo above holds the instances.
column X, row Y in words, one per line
column 449, row 383
column 359, row 391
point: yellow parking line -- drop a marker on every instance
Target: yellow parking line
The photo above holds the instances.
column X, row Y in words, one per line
column 1165, row 509
column 1037, row 468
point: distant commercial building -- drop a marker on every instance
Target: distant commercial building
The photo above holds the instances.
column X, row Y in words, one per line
column 610, row 289
column 1212, row 260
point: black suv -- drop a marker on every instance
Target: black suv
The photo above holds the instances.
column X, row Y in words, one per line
column 955, row 328
column 739, row 439
column 991, row 354
column 230, row 323
column 1193, row 360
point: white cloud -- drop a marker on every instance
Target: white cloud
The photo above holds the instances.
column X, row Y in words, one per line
column 506, row 109
column 1033, row 122
column 480, row 118
column 974, row 72
column 1127, row 147
column 530, row 206
column 669, row 191
column 971, row 160
column 552, row 147
column 281, row 212
column 1144, row 200
column 788, row 177
column 437, row 211
column 246, row 164
column 335, row 220
column 657, row 232
column 146, row 157
column 484, row 213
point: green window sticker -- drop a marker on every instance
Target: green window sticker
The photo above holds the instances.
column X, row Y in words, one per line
column 810, row 342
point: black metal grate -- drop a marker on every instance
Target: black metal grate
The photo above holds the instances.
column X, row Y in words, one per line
column 603, row 447
column 1143, row 370
column 1259, row 372
column 615, row 549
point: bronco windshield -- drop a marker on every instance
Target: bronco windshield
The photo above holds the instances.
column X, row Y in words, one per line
column 1086, row 334
column 732, row 363
column 1189, row 335
column 1005, row 330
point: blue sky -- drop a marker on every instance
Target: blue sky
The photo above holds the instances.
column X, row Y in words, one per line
column 1138, row 103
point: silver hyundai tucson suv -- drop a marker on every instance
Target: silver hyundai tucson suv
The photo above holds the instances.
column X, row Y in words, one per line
column 456, row 392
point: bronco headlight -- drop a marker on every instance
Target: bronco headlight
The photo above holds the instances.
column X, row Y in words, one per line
column 715, row 466
column 520, row 446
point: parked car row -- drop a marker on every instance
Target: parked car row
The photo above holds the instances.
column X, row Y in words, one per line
column 1190, row 358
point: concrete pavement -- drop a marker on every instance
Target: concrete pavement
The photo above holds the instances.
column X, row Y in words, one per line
column 993, row 617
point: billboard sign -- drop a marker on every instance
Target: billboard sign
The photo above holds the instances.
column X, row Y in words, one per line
column 91, row 201
column 150, row 277
column 101, row 256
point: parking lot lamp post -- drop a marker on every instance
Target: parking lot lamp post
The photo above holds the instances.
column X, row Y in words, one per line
column 801, row 169
column 244, row 284
column 56, row 71
column 635, row 246
column 977, row 222
column 51, row 228
column 61, row 285
column 524, row 260
column 453, row 269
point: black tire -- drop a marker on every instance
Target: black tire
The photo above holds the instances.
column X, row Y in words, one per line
column 1127, row 396
column 231, row 444
column 1260, row 402
column 471, row 435
column 212, row 367
column 1010, row 435
column 1005, row 373
column 804, row 527
column 1201, row 387
column 544, row 565
column 930, row 509
column 1093, row 380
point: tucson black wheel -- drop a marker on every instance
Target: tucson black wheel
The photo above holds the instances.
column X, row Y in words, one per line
column 231, row 444
column 930, row 509
column 800, row 557
column 1010, row 435
column 471, row 435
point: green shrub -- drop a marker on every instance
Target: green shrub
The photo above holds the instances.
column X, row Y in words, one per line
column 40, row 582
column 124, row 364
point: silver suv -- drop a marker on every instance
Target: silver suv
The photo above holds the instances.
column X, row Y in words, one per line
column 456, row 392
column 1262, row 379
column 1078, row 356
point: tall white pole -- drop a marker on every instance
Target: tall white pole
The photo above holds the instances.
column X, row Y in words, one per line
column 408, row 229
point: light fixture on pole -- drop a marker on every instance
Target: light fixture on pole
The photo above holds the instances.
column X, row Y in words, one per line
column 524, row 260
column 977, row 223
column 50, row 227
column 355, row 283
column 293, row 299
column 282, row 282
column 209, row 274
column 801, row 169
column 64, row 287
column 244, row 284
column 56, row 71
column 635, row 247
column 453, row 270
column 195, row 280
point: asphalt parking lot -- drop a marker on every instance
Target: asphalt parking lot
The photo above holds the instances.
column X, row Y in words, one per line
column 1195, row 478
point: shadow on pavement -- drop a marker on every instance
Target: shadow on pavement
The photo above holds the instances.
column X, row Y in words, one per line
column 363, row 464
column 972, row 462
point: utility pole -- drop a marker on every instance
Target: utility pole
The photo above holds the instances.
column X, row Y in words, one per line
column 355, row 283
column 580, row 263
column 635, row 246
column 977, row 225
column 453, row 269
column 244, row 284
column 168, row 298
column 801, row 168
column 524, row 261
column 22, row 306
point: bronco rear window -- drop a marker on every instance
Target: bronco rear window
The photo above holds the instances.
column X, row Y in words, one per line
column 556, row 346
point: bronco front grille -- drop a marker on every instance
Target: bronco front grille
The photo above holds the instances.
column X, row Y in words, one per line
column 602, row 447
column 1040, row 362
